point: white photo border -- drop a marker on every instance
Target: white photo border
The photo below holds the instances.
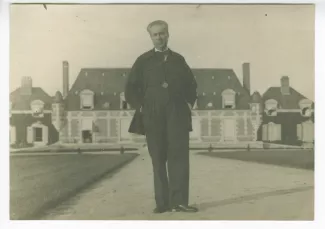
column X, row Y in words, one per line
column 319, row 146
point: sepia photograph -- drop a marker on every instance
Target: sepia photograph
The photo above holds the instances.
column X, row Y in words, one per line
column 162, row 111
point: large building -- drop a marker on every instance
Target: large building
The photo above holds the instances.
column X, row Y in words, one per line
column 94, row 110
column 31, row 116
column 288, row 116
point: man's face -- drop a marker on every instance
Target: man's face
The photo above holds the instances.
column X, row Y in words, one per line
column 159, row 36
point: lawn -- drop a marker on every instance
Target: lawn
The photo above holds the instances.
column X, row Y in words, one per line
column 302, row 159
column 38, row 183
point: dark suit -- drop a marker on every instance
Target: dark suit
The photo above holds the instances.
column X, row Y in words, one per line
column 166, row 119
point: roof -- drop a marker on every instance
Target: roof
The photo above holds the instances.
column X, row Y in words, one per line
column 213, row 82
column 108, row 83
column 58, row 97
column 22, row 102
column 256, row 97
column 290, row 101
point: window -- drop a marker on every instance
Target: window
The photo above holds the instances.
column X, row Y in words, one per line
column 205, row 127
column 271, row 132
column 254, row 108
column 271, row 106
column 37, row 107
column 306, row 112
column 106, row 105
column 305, row 107
column 10, row 109
column 86, row 100
column 305, row 131
column 209, row 105
column 123, row 104
column 228, row 99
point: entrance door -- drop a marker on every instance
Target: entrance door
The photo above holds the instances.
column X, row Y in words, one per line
column 87, row 136
column 38, row 134
column 229, row 129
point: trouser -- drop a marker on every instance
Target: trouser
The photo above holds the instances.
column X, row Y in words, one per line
column 167, row 134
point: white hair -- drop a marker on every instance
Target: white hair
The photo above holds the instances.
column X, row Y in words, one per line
column 157, row 22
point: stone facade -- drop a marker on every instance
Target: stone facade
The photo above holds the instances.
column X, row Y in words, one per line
column 112, row 127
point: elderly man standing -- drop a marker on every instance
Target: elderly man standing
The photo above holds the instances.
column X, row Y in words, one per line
column 162, row 87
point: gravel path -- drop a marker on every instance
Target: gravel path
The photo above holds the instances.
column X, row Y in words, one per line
column 223, row 189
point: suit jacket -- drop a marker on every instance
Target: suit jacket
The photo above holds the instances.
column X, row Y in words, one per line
column 148, row 72
column 137, row 125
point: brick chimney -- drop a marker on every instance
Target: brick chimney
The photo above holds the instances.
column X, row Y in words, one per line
column 285, row 87
column 65, row 66
column 26, row 85
column 246, row 77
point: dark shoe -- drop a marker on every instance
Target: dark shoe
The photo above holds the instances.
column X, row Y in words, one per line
column 160, row 210
column 184, row 208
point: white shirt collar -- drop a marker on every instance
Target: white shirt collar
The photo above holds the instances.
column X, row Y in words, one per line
column 156, row 50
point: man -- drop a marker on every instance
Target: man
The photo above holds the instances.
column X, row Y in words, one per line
column 162, row 86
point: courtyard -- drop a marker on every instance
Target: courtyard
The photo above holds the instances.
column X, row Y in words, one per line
column 222, row 188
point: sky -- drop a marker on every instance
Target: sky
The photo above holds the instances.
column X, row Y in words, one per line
column 277, row 40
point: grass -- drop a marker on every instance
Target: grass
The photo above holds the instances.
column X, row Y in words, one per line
column 302, row 159
column 38, row 183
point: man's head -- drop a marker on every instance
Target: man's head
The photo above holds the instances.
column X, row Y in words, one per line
column 158, row 31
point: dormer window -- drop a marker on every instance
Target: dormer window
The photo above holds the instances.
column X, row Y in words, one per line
column 123, row 104
column 228, row 99
column 271, row 107
column 305, row 107
column 106, row 105
column 86, row 100
column 209, row 105
column 306, row 112
column 37, row 107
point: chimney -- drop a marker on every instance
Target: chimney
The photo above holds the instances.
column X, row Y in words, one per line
column 285, row 87
column 26, row 86
column 65, row 78
column 246, row 77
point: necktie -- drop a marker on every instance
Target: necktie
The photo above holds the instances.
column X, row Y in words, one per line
column 162, row 55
